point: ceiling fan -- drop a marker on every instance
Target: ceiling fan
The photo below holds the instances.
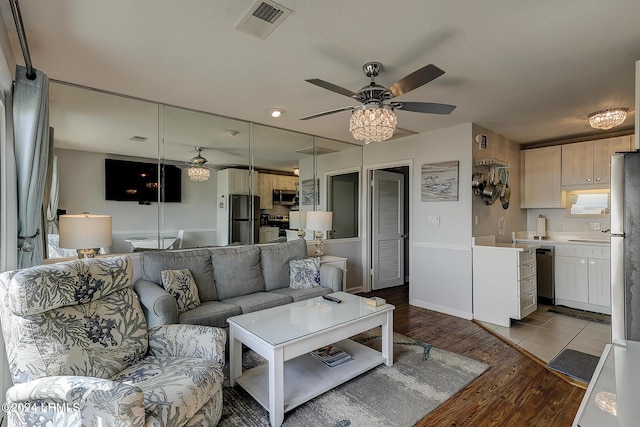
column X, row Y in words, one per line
column 198, row 169
column 374, row 97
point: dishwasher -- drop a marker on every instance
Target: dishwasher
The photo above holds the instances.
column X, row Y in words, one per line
column 544, row 261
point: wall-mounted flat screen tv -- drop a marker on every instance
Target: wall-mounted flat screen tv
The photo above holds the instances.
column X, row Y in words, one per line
column 138, row 181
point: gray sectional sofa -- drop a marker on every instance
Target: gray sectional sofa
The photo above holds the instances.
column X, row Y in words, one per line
column 231, row 280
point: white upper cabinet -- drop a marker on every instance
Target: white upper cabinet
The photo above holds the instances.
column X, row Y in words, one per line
column 541, row 178
column 587, row 165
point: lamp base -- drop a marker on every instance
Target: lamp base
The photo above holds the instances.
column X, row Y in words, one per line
column 318, row 235
column 87, row 253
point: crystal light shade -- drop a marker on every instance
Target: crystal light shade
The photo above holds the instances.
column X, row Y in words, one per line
column 606, row 119
column 373, row 124
column 198, row 173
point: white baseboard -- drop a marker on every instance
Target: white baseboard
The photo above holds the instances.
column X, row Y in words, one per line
column 441, row 309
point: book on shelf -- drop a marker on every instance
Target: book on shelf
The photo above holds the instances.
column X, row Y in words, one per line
column 331, row 355
column 376, row 301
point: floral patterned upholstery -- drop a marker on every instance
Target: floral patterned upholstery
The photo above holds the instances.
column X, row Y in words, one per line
column 80, row 352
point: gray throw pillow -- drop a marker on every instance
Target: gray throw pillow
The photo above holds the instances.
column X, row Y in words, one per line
column 237, row 271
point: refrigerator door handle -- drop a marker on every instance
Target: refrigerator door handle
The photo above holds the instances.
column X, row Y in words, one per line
column 617, row 194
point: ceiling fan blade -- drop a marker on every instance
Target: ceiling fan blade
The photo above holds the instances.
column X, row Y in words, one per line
column 415, row 80
column 425, row 107
column 333, row 88
column 326, row 113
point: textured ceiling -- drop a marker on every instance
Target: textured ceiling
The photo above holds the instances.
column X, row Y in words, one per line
column 530, row 71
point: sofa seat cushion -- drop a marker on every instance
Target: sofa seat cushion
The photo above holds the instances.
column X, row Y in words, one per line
column 210, row 313
column 198, row 261
column 259, row 301
column 303, row 294
column 175, row 388
column 237, row 271
column 275, row 262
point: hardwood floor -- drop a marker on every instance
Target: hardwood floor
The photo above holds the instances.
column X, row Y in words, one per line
column 515, row 391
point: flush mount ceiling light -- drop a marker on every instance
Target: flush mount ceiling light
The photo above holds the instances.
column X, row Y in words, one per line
column 275, row 112
column 373, row 124
column 231, row 132
column 606, row 119
column 198, row 171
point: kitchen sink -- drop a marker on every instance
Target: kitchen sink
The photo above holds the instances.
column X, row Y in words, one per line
column 589, row 241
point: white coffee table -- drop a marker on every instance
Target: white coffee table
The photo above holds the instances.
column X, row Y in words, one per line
column 285, row 335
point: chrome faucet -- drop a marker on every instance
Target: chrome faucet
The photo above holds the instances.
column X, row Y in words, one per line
column 606, row 230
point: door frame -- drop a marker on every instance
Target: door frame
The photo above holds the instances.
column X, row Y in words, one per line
column 368, row 227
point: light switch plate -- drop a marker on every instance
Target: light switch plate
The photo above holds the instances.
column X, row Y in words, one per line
column 594, row 226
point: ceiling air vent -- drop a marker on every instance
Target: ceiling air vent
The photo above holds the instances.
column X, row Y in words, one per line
column 319, row 151
column 262, row 18
column 138, row 138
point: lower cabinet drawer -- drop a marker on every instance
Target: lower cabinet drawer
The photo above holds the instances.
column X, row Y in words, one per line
column 526, row 270
column 528, row 303
column 527, row 285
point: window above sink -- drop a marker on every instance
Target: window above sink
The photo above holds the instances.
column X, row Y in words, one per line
column 589, row 203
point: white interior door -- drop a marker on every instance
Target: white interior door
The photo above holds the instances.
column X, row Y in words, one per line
column 387, row 258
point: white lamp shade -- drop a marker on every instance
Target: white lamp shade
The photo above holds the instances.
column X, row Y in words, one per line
column 319, row 221
column 297, row 220
column 85, row 231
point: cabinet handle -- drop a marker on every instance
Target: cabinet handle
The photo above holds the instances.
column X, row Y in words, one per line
column 582, row 261
column 592, row 262
column 598, row 179
column 557, row 204
column 588, row 179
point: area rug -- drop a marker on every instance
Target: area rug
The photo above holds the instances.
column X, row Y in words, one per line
column 421, row 378
column 581, row 314
column 575, row 364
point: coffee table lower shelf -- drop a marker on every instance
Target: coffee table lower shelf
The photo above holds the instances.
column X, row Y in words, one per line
column 306, row 377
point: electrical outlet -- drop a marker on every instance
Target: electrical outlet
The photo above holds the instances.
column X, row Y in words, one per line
column 594, row 226
column 561, row 225
column 435, row 220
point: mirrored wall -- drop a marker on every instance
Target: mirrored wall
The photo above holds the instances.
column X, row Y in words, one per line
column 255, row 173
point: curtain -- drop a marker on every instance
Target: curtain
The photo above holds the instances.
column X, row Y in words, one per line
column 31, row 139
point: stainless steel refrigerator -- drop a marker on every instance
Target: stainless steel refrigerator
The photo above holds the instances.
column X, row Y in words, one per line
column 244, row 218
column 625, row 246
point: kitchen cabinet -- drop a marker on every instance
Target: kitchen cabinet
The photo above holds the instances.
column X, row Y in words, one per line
column 265, row 190
column 587, row 165
column 541, row 178
column 504, row 283
column 583, row 277
column 285, row 182
column 267, row 234
column 268, row 182
column 237, row 181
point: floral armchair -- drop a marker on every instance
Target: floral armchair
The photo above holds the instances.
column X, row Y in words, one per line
column 80, row 352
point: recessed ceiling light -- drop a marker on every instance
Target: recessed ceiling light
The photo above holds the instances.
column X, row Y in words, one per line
column 275, row 112
column 231, row 132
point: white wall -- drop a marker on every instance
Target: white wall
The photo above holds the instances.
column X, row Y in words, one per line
column 440, row 255
column 196, row 214
column 489, row 217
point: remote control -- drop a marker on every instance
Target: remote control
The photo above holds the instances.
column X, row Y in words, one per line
column 330, row 298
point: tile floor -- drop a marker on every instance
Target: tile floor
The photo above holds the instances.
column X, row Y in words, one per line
column 545, row 334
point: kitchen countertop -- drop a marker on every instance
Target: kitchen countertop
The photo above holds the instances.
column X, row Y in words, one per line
column 490, row 242
column 561, row 239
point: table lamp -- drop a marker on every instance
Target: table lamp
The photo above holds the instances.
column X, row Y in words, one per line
column 319, row 222
column 298, row 221
column 86, row 233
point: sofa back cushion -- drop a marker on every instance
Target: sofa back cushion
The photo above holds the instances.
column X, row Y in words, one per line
column 237, row 271
column 275, row 258
column 197, row 261
column 80, row 317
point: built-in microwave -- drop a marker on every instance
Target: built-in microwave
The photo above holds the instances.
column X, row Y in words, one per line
column 285, row 197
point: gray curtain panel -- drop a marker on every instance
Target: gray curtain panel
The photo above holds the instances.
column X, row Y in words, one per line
column 31, row 140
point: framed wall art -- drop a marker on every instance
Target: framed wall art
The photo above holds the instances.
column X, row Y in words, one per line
column 439, row 182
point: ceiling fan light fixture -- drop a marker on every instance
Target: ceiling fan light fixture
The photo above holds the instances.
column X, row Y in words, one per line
column 375, row 124
column 607, row 119
column 198, row 171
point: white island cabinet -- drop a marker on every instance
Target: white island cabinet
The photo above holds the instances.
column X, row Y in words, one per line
column 504, row 282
